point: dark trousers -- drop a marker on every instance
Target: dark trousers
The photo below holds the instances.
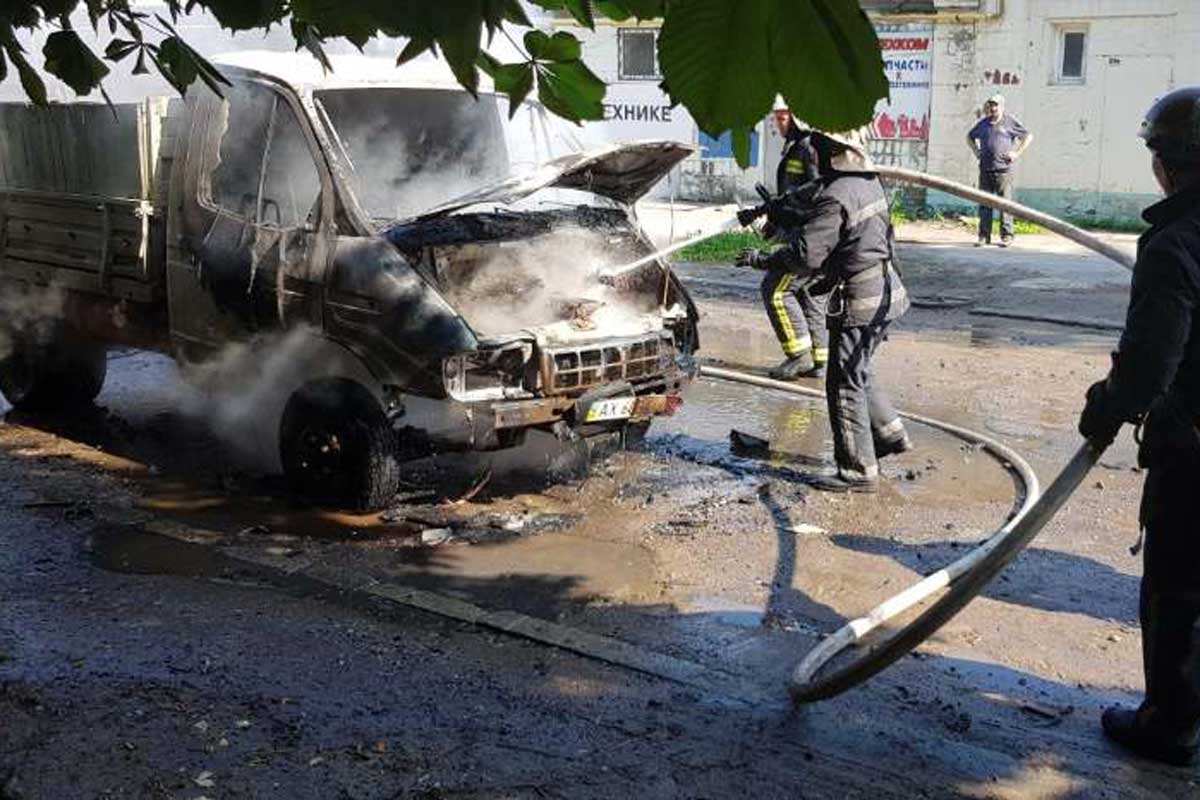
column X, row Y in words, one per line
column 797, row 314
column 1001, row 184
column 1170, row 593
column 860, row 412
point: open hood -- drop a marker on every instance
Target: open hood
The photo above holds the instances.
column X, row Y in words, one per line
column 621, row 172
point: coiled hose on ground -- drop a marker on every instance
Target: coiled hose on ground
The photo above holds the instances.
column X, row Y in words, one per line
column 967, row 576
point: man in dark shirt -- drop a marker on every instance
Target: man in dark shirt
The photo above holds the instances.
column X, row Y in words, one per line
column 997, row 140
column 1155, row 381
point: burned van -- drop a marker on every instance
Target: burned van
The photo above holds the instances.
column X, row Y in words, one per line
column 433, row 294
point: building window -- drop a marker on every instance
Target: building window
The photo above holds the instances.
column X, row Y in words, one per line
column 1072, row 52
column 637, row 54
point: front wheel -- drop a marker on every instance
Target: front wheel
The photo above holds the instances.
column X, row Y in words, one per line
column 338, row 448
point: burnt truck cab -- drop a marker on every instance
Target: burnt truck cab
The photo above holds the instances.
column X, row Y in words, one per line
column 445, row 297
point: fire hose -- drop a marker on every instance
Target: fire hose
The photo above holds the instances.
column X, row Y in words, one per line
column 966, row 577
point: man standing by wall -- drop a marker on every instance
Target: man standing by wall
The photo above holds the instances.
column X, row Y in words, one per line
column 997, row 140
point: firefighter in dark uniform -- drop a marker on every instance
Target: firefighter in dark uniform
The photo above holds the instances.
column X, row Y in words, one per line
column 842, row 233
column 795, row 307
column 1155, row 381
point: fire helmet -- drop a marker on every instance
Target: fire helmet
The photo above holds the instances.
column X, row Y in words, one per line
column 849, row 150
column 1172, row 125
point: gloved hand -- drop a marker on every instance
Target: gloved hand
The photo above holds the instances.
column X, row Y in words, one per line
column 745, row 216
column 751, row 257
column 1096, row 422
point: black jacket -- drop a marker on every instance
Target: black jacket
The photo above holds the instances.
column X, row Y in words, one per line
column 798, row 163
column 844, row 233
column 1157, row 365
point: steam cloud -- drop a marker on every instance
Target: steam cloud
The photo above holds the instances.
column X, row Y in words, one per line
column 523, row 285
column 240, row 393
column 28, row 313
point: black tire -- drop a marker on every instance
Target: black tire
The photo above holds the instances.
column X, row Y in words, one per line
column 49, row 367
column 337, row 447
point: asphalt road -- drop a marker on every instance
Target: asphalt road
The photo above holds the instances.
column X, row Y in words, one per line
column 251, row 663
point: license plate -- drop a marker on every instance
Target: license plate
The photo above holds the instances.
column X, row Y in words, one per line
column 614, row 408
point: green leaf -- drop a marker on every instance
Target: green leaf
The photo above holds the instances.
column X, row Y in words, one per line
column 571, row 90
column 95, row 9
column 175, row 63
column 515, row 14
column 460, row 47
column 646, row 9
column 497, row 12
column 117, row 49
column 309, row 38
column 561, row 46
column 244, row 15
column 741, row 146
column 613, row 10
column 139, row 68
column 834, row 80
column 581, row 10
column 353, row 21
column 55, row 9
column 514, row 80
column 31, row 82
column 714, row 59
column 414, row 48
column 21, row 14
column 73, row 62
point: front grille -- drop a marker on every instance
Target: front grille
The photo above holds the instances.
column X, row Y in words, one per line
column 572, row 368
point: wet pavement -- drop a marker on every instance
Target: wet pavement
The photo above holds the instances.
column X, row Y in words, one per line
column 133, row 666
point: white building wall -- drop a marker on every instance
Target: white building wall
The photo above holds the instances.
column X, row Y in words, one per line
column 1086, row 160
column 639, row 109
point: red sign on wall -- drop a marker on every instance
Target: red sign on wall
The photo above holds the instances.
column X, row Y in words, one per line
column 908, row 62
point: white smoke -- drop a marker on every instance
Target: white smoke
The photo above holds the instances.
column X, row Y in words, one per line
column 240, row 393
column 28, row 313
column 523, row 285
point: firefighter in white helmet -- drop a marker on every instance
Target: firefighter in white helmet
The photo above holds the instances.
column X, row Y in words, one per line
column 796, row 307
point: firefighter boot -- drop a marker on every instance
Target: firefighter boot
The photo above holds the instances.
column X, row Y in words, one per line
column 893, row 447
column 841, row 483
column 1166, row 727
column 793, row 367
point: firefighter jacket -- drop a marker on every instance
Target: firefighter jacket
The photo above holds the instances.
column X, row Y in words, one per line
column 843, row 233
column 1156, row 368
column 798, row 164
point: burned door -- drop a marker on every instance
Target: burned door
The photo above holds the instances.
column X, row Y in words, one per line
column 251, row 219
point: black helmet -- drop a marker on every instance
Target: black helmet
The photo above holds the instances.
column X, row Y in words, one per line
column 1172, row 125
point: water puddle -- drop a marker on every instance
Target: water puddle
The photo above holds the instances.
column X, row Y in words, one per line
column 123, row 548
column 539, row 575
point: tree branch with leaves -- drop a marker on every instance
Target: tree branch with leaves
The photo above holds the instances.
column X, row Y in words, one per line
column 722, row 60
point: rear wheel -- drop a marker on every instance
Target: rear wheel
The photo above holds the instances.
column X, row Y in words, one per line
column 338, row 448
column 51, row 367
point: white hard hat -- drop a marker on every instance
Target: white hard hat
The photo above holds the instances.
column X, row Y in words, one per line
column 998, row 99
column 780, row 104
column 853, row 156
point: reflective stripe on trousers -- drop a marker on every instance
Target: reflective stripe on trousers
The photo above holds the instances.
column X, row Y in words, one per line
column 797, row 318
